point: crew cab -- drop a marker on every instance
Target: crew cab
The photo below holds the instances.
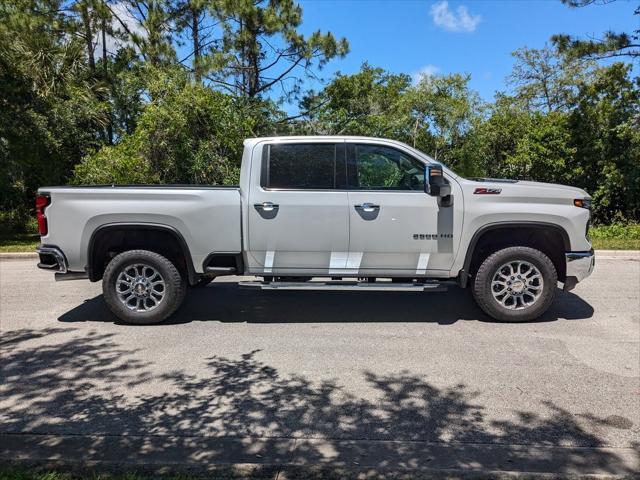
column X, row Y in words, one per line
column 322, row 213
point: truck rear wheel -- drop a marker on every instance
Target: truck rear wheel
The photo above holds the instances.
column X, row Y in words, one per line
column 515, row 284
column 142, row 287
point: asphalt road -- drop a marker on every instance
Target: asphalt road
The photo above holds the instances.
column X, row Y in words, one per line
column 393, row 380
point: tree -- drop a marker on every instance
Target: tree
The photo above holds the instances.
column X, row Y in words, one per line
column 50, row 115
column 192, row 19
column 444, row 111
column 606, row 125
column 612, row 44
column 262, row 48
column 369, row 103
column 148, row 26
column 545, row 79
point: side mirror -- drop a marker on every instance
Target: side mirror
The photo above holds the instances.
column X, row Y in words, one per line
column 435, row 183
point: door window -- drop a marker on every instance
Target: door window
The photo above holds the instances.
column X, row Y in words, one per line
column 305, row 166
column 374, row 167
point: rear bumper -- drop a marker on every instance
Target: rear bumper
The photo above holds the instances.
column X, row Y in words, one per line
column 579, row 266
column 52, row 259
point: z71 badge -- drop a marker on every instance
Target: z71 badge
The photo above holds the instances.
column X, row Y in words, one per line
column 487, row 191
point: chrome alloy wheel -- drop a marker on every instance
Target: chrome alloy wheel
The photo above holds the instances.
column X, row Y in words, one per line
column 517, row 285
column 140, row 287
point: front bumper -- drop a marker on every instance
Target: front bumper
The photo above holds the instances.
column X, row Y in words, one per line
column 579, row 266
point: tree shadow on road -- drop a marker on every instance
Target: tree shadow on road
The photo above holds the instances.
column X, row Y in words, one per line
column 226, row 302
column 58, row 382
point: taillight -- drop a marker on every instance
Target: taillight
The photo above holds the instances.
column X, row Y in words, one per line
column 41, row 202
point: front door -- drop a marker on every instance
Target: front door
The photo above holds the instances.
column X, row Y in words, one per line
column 395, row 227
column 298, row 213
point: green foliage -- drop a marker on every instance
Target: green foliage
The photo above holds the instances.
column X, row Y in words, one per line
column 444, row 112
column 188, row 134
column 49, row 116
column 435, row 115
column 368, row 103
column 518, row 143
column 605, row 134
column 545, row 79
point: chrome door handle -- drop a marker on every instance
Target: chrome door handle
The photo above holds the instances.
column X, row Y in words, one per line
column 367, row 207
column 266, row 206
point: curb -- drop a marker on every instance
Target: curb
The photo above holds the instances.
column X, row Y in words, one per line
column 17, row 255
column 620, row 254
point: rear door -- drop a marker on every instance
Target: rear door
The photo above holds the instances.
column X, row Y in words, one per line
column 298, row 214
column 395, row 227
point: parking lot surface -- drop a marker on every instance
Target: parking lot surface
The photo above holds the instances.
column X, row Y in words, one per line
column 351, row 379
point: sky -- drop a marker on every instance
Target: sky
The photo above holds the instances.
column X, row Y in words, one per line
column 470, row 36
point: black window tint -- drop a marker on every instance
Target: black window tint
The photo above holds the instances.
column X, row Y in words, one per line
column 384, row 168
column 302, row 166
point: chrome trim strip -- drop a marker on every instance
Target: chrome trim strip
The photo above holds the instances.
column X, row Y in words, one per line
column 571, row 256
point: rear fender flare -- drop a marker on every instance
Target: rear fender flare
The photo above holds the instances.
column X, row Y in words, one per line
column 191, row 273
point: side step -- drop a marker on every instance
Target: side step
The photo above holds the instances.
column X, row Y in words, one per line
column 220, row 270
column 347, row 286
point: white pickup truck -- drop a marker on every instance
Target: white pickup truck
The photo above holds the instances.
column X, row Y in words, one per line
column 322, row 213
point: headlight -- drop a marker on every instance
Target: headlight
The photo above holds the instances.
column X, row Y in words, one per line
column 582, row 203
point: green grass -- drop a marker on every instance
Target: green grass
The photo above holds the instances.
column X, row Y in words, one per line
column 19, row 242
column 615, row 244
column 616, row 236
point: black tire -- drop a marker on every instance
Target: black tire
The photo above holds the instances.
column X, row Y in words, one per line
column 174, row 288
column 484, row 296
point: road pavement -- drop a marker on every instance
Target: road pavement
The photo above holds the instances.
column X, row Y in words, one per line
column 378, row 381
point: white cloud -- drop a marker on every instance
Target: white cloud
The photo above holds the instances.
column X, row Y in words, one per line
column 426, row 71
column 459, row 21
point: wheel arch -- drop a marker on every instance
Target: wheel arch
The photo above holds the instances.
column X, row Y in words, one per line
column 174, row 247
column 517, row 233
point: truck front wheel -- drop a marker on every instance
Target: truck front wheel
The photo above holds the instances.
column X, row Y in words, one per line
column 142, row 287
column 515, row 284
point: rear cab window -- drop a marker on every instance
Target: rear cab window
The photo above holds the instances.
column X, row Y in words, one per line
column 303, row 166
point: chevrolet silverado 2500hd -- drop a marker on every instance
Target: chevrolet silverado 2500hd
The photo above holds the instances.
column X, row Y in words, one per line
column 360, row 213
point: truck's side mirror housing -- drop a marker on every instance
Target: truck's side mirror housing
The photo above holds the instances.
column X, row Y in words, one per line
column 435, row 183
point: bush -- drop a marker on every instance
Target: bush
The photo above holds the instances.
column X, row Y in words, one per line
column 18, row 220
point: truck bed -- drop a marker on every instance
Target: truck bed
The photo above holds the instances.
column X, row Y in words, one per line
column 207, row 217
